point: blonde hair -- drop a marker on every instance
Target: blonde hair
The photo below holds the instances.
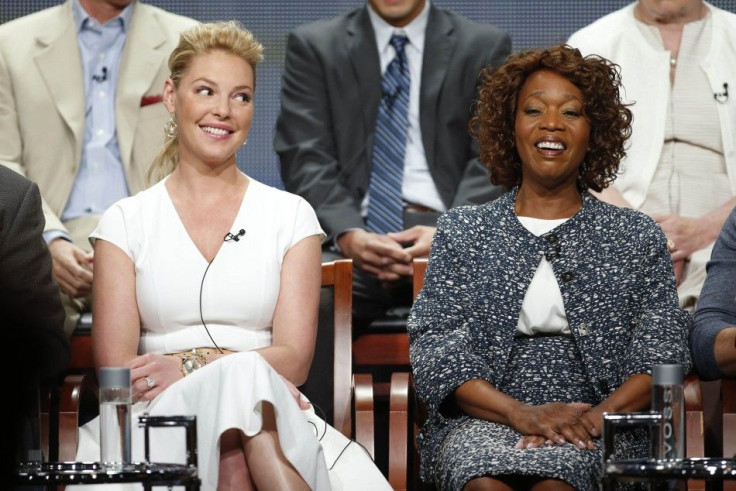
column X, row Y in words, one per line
column 230, row 37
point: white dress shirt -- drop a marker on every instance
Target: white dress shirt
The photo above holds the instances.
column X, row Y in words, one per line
column 418, row 186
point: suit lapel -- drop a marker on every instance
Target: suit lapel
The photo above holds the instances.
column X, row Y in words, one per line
column 60, row 54
column 438, row 47
column 138, row 69
column 363, row 57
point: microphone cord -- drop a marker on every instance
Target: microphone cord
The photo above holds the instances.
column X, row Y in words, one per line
column 201, row 316
column 228, row 236
column 321, row 414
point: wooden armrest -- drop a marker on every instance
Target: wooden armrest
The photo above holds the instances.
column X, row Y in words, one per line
column 364, row 411
column 693, row 393
column 74, row 391
column 420, row 268
column 728, row 406
column 398, row 430
column 694, row 422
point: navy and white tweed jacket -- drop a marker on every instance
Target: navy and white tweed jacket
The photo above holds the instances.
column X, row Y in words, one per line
column 617, row 286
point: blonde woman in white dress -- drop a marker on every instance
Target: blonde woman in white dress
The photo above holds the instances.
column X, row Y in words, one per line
column 212, row 260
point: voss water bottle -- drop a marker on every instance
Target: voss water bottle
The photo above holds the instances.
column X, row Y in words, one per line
column 668, row 399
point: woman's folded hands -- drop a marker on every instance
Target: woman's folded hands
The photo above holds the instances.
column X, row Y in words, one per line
column 556, row 423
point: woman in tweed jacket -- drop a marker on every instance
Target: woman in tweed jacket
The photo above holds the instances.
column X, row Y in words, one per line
column 547, row 307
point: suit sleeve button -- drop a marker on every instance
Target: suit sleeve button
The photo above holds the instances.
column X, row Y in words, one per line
column 567, row 277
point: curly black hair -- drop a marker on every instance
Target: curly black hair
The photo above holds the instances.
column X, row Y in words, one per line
column 609, row 118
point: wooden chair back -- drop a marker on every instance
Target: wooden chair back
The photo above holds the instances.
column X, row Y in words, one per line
column 389, row 348
column 339, row 276
column 352, row 394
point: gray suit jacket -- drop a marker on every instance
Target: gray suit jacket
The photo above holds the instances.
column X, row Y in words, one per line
column 31, row 314
column 329, row 101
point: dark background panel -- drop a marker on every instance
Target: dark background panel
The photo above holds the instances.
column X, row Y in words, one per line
column 532, row 23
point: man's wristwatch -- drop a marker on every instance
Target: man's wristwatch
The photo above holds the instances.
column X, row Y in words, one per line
column 192, row 361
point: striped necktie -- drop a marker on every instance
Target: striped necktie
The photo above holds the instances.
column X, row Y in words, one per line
column 385, row 207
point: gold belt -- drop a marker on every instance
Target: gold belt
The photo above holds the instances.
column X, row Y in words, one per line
column 202, row 351
column 196, row 358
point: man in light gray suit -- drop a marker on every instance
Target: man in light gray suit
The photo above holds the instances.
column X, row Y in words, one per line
column 331, row 93
column 82, row 116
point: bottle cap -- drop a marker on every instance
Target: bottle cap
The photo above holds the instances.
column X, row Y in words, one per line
column 668, row 374
column 111, row 377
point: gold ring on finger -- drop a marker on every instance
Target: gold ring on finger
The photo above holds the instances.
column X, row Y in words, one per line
column 670, row 245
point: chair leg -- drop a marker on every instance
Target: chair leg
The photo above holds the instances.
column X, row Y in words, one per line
column 50, row 423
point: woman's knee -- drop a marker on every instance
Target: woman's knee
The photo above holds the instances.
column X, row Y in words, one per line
column 511, row 482
column 487, row 483
column 549, row 484
column 233, row 468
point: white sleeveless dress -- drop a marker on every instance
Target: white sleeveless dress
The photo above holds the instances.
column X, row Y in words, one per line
column 239, row 294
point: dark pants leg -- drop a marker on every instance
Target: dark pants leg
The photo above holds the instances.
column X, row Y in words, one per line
column 370, row 301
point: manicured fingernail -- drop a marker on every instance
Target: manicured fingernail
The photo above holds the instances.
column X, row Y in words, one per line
column 548, row 442
column 560, row 440
column 530, row 445
column 518, row 445
column 581, row 444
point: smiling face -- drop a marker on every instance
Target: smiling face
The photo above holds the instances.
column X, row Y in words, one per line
column 670, row 11
column 104, row 10
column 213, row 107
column 398, row 13
column 551, row 131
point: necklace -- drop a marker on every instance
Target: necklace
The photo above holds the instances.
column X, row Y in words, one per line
column 673, row 61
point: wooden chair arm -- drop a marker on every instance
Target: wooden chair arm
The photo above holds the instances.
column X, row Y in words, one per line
column 693, row 393
column 339, row 276
column 75, row 390
column 694, row 422
column 398, row 431
column 420, row 268
column 364, row 415
column 728, row 405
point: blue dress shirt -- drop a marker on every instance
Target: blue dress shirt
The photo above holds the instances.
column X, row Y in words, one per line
column 100, row 180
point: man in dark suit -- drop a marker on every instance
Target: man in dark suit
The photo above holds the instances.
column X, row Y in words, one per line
column 35, row 347
column 325, row 135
